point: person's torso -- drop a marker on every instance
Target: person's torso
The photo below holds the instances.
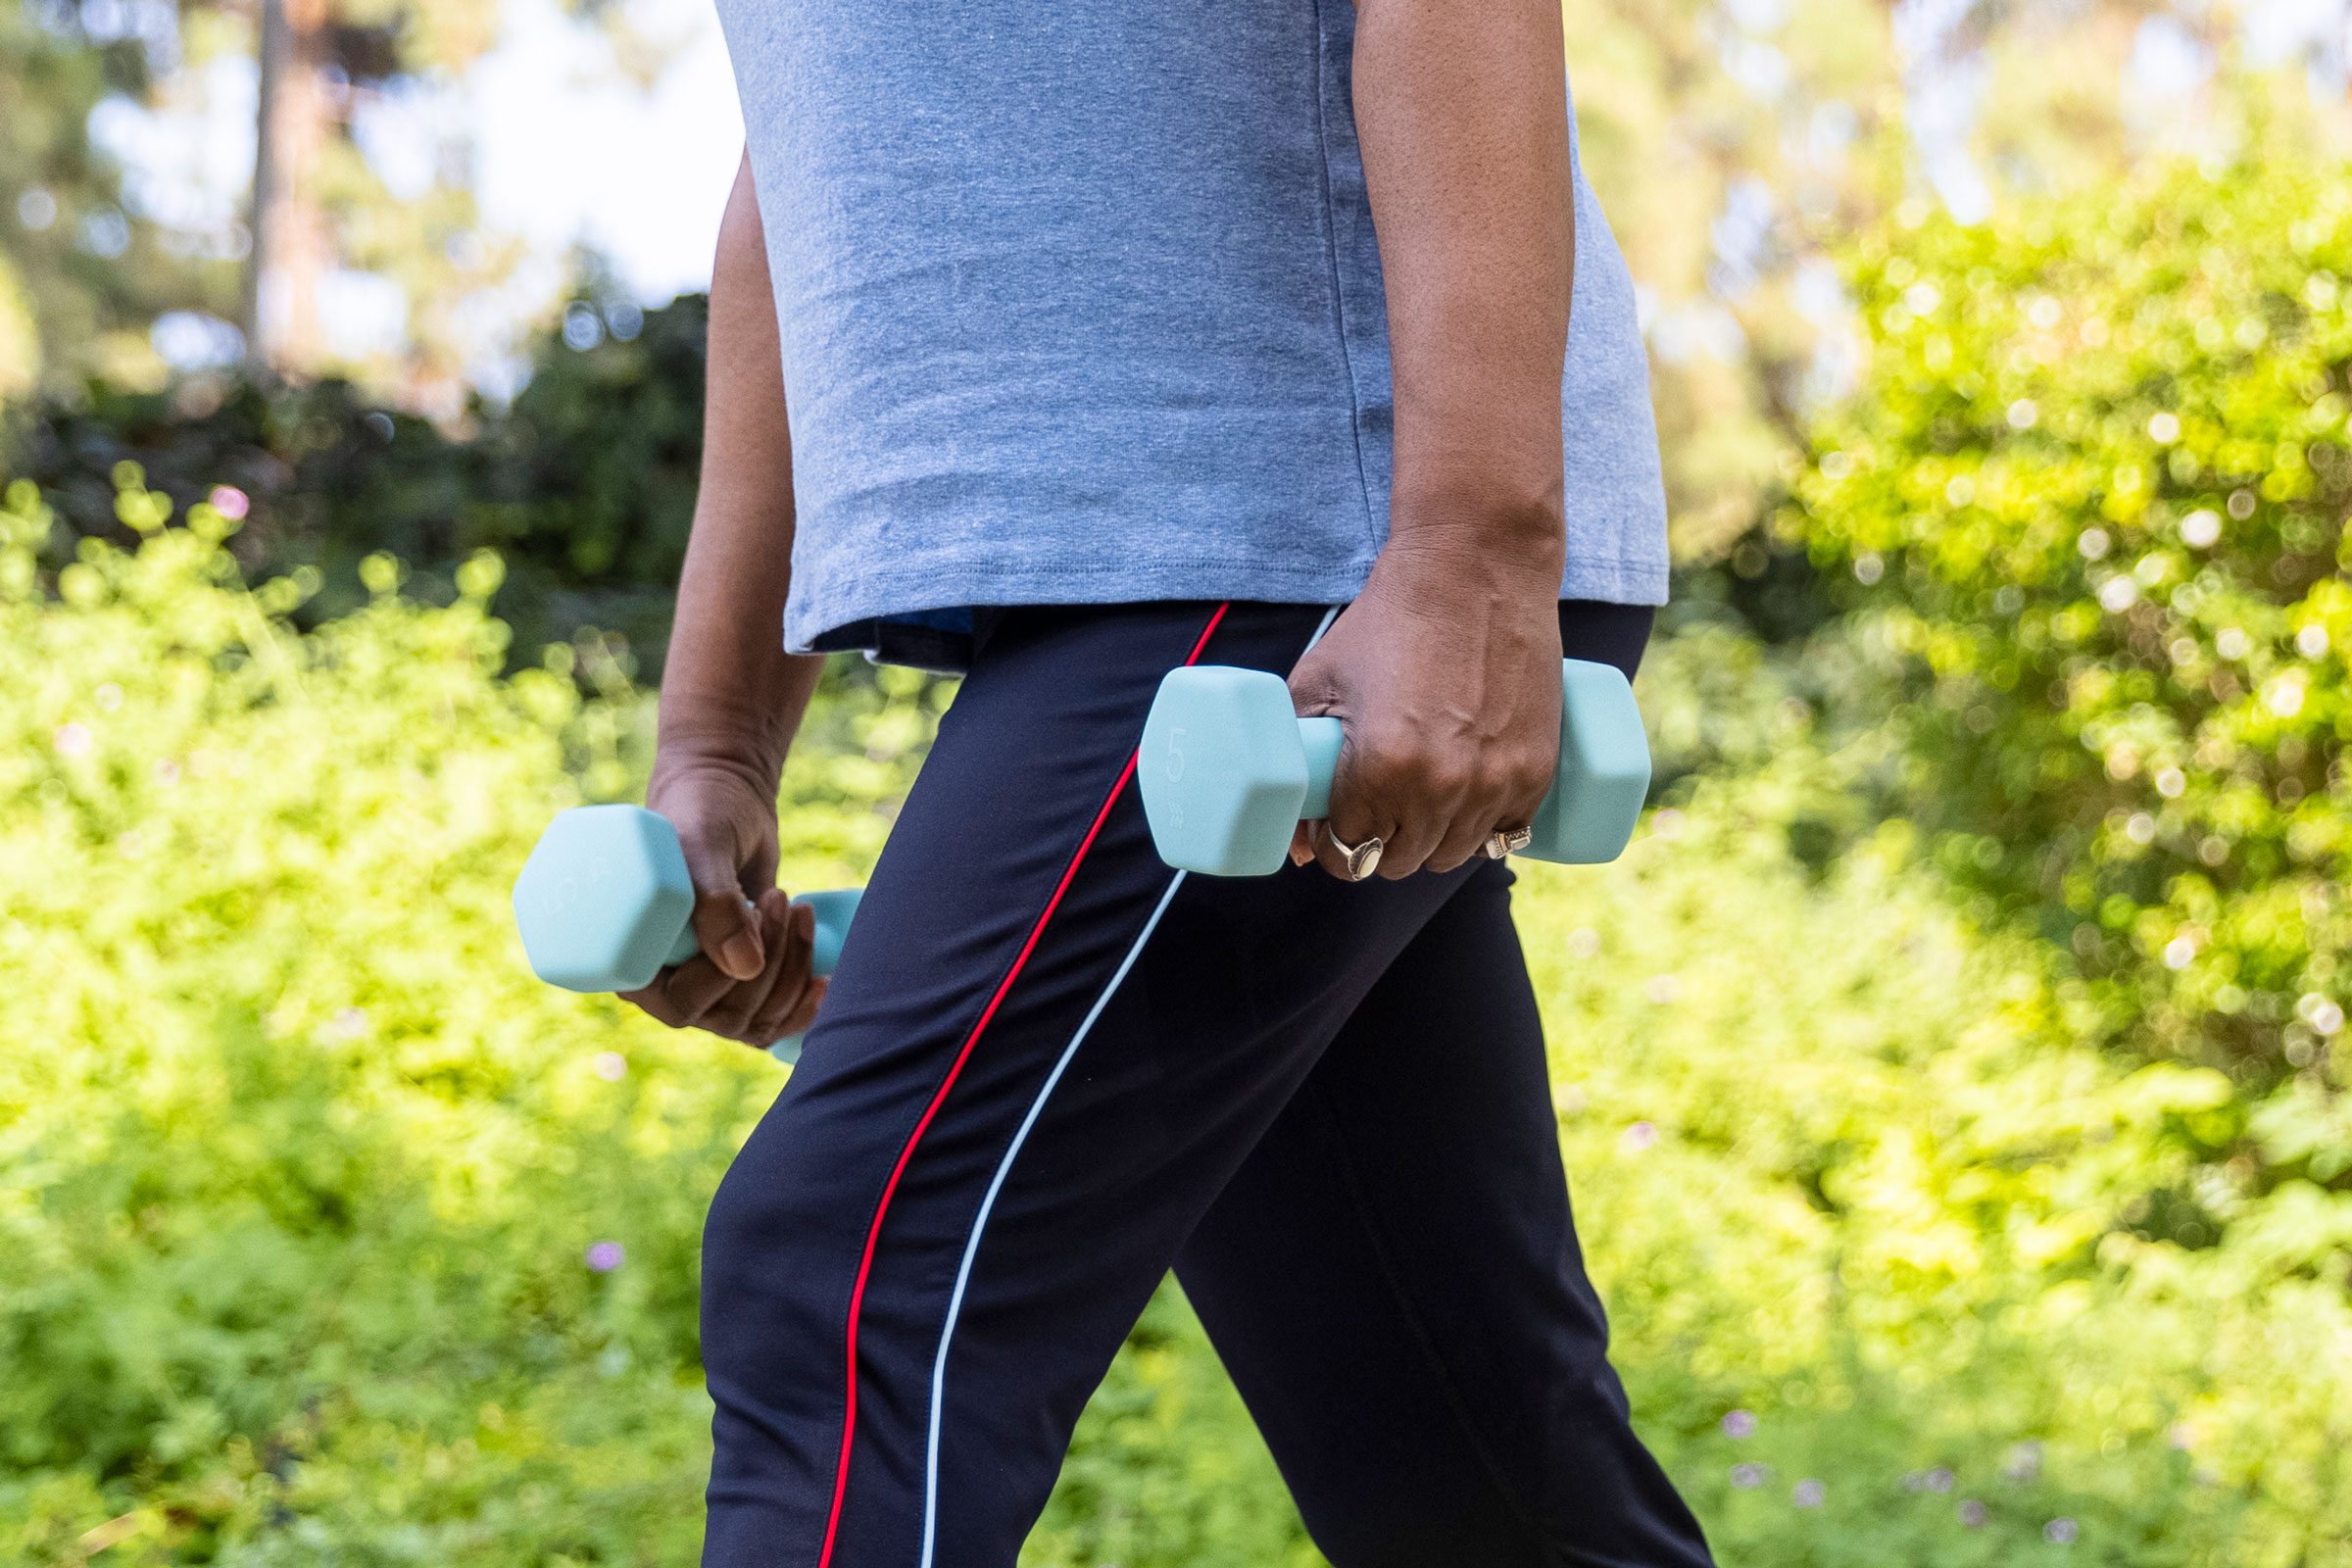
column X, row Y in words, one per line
column 1083, row 303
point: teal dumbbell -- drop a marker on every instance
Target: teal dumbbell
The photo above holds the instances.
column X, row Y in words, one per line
column 605, row 903
column 1228, row 769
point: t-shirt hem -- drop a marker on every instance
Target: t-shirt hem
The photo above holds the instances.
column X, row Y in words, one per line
column 877, row 596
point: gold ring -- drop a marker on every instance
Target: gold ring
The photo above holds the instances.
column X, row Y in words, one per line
column 1509, row 841
column 1362, row 859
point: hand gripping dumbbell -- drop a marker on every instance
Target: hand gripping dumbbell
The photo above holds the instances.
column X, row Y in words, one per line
column 605, row 903
column 1228, row 769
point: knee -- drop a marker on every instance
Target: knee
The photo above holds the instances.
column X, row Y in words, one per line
column 749, row 1203
column 772, row 1244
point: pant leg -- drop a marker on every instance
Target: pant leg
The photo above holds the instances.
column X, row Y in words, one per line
column 1394, row 1281
column 1041, row 1057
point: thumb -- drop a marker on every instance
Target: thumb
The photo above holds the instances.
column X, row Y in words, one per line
column 726, row 926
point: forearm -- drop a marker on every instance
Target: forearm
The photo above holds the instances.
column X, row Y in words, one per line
column 1461, row 111
column 730, row 695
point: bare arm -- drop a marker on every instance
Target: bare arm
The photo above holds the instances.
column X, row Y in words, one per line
column 731, row 696
column 1447, row 669
column 1463, row 112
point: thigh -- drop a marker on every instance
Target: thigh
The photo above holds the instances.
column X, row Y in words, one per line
column 1042, row 1055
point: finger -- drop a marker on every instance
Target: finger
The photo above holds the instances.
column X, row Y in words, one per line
column 654, row 1002
column 773, row 1026
column 1416, row 824
column 1381, row 793
column 694, row 988
column 733, row 1013
column 795, row 945
column 1302, row 844
column 1472, row 829
column 1330, row 835
column 796, row 941
column 726, row 923
column 1464, row 842
column 680, row 996
column 1410, row 850
column 1356, row 816
column 1448, row 817
column 1505, row 809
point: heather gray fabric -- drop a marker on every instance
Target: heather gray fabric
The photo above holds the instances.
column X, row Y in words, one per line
column 1081, row 304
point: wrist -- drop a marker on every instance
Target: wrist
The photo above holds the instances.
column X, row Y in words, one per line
column 1470, row 555
column 704, row 747
column 1482, row 516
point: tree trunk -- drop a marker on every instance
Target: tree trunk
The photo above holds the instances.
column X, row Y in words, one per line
column 291, row 242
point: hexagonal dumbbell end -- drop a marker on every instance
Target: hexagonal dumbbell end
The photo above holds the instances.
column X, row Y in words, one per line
column 603, row 902
column 1604, row 770
column 1222, row 771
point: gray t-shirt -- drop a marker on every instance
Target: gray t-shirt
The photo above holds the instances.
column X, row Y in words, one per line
column 1081, row 304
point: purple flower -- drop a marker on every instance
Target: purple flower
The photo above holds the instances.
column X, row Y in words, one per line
column 1747, row 1477
column 2059, row 1532
column 1808, row 1493
column 1938, row 1480
column 611, row 1066
column 231, row 502
column 1972, row 1513
column 73, row 739
column 1740, row 1424
column 1639, row 1136
column 605, row 1256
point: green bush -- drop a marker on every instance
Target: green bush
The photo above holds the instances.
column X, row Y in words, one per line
column 2089, row 507
column 299, row 1167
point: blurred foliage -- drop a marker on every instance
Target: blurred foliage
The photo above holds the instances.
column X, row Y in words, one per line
column 1737, row 147
column 584, row 484
column 2086, row 519
column 301, row 1167
column 104, row 246
column 81, row 277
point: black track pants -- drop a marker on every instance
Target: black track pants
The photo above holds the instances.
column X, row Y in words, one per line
column 1049, row 1070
